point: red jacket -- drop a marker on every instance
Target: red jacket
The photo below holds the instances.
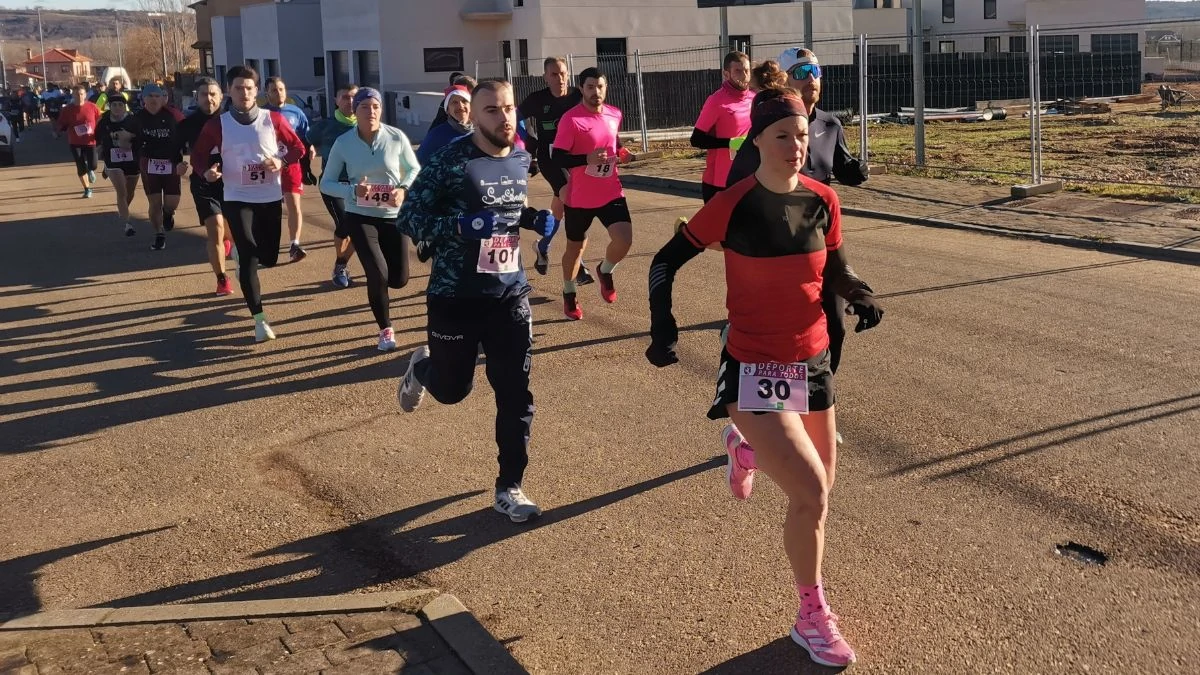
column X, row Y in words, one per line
column 73, row 117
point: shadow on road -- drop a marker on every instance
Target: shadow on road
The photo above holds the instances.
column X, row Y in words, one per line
column 777, row 658
column 17, row 576
column 384, row 550
column 1010, row 277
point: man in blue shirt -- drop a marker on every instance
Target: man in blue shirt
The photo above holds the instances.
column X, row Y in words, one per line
column 295, row 176
column 469, row 202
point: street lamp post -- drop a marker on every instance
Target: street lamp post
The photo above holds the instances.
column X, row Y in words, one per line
column 120, row 52
column 42, row 40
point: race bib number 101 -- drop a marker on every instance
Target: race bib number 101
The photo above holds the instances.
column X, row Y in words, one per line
column 773, row 387
column 499, row 255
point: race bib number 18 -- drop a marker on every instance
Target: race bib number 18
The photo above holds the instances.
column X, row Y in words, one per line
column 378, row 196
column 773, row 387
column 600, row 170
column 498, row 255
column 160, row 167
column 254, row 174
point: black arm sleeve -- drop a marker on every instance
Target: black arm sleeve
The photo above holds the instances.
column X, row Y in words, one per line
column 846, row 167
column 567, row 161
column 707, row 141
column 842, row 279
column 664, row 332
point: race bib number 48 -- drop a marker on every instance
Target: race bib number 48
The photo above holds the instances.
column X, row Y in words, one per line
column 773, row 387
column 160, row 167
column 378, row 196
column 118, row 155
column 254, row 174
column 498, row 255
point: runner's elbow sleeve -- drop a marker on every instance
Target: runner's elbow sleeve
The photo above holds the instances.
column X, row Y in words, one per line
column 565, row 160
column 707, row 141
column 673, row 255
column 841, row 278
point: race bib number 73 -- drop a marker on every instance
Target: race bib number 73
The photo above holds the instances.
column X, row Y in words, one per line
column 160, row 167
column 773, row 387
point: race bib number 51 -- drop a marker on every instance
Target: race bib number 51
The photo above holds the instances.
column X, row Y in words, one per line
column 498, row 255
column 160, row 167
column 378, row 196
column 254, row 174
column 773, row 387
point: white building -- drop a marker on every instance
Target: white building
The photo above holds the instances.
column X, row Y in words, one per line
column 283, row 38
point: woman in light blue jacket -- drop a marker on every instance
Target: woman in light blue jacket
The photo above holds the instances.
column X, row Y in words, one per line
column 381, row 165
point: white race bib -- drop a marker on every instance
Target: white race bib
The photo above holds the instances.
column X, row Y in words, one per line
column 601, row 170
column 254, row 174
column 498, row 255
column 773, row 387
column 160, row 167
column 83, row 130
column 378, row 196
column 118, row 155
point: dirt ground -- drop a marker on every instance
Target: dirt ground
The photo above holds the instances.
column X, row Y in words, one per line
column 1136, row 150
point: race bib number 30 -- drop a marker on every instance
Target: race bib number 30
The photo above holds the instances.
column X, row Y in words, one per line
column 498, row 255
column 254, row 174
column 118, row 155
column 83, row 130
column 378, row 196
column 773, row 387
column 160, row 167
column 600, row 170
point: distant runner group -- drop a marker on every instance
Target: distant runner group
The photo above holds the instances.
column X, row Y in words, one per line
column 462, row 197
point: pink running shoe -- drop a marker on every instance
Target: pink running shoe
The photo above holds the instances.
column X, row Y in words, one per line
column 739, row 467
column 819, row 635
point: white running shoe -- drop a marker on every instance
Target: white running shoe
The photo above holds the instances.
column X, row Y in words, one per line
column 513, row 503
column 263, row 332
column 387, row 340
column 411, row 390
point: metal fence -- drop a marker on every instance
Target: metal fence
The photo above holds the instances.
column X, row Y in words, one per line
column 957, row 103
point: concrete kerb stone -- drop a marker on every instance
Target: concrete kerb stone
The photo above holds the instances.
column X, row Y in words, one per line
column 690, row 188
column 473, row 644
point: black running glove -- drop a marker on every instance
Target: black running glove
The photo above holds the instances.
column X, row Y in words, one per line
column 868, row 311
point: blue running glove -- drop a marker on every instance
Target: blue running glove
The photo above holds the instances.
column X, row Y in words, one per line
column 479, row 225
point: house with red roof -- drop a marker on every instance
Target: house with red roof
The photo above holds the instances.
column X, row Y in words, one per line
column 63, row 66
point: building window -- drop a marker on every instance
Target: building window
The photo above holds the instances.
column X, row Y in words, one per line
column 989, row 9
column 741, row 43
column 523, row 58
column 946, row 46
column 65, row 69
column 947, row 11
column 1059, row 44
column 926, row 47
column 368, row 68
column 518, row 3
column 991, row 45
column 1017, row 44
column 443, row 59
column 272, row 66
column 1114, row 42
column 882, row 50
column 318, row 66
column 505, row 51
column 206, row 60
column 611, row 55
column 253, row 63
column 340, row 62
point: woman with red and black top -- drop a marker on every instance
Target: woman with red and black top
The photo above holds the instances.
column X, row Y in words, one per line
column 79, row 120
column 782, row 239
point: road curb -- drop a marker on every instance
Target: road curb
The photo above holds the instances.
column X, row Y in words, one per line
column 468, row 639
column 690, row 188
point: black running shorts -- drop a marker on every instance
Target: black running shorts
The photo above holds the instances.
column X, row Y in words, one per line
column 820, row 385
column 208, row 200
column 579, row 220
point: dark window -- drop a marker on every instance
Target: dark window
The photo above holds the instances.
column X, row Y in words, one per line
column 989, row 9
column 926, row 47
column 947, row 11
column 882, row 50
column 318, row 66
column 443, row 59
column 368, row 68
column 741, row 43
column 1066, row 44
column 272, row 67
column 611, row 55
column 1114, row 42
column 523, row 57
column 518, row 3
column 340, row 62
column 253, row 63
column 1017, row 44
column 991, row 45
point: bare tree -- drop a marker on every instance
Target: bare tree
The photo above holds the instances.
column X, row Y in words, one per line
column 178, row 30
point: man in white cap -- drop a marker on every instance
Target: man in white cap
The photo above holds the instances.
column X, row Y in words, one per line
column 828, row 156
column 457, row 105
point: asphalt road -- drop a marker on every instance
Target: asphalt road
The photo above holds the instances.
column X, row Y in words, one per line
column 1017, row 396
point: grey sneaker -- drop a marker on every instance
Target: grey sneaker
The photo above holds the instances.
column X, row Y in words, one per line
column 411, row 390
column 513, row 503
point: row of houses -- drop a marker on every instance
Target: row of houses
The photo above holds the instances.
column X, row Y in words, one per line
column 413, row 44
column 61, row 66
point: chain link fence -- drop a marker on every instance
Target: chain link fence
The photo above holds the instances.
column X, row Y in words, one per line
column 1096, row 114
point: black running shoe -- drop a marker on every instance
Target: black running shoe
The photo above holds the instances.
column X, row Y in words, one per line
column 584, row 277
column 168, row 220
column 160, row 242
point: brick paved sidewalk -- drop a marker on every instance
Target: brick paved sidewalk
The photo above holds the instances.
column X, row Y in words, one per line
column 1066, row 214
column 393, row 640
